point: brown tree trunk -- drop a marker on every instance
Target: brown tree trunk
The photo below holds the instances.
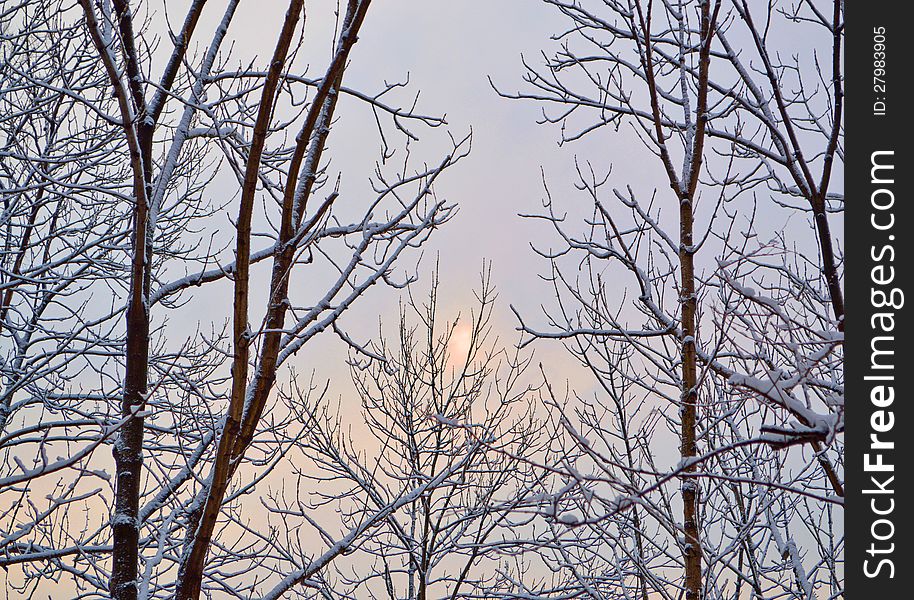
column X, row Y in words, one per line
column 692, row 553
column 202, row 522
column 128, row 447
column 689, row 410
column 139, row 128
column 829, row 268
column 249, row 399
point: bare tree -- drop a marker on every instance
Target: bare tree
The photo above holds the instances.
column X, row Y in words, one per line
column 107, row 142
column 734, row 322
column 61, row 242
column 701, row 458
column 446, row 410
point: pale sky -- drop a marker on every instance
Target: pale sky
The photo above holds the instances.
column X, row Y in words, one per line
column 448, row 50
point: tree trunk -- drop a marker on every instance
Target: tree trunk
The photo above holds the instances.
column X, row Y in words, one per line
column 688, row 449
